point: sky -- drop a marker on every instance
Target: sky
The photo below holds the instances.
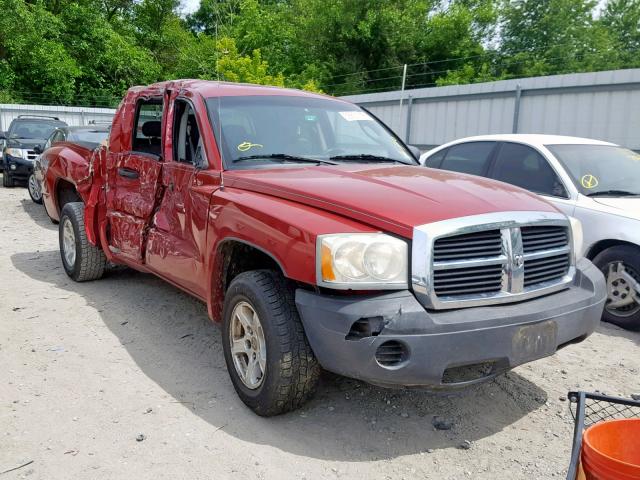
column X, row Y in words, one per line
column 190, row 6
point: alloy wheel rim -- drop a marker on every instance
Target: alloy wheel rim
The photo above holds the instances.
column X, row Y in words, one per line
column 34, row 188
column 623, row 290
column 68, row 243
column 248, row 346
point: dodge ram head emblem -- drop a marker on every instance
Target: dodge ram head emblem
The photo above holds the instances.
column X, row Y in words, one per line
column 518, row 260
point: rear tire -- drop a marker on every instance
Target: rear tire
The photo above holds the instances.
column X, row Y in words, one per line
column 81, row 260
column 619, row 264
column 290, row 372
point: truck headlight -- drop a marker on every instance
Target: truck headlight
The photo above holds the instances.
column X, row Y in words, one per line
column 576, row 235
column 15, row 152
column 362, row 261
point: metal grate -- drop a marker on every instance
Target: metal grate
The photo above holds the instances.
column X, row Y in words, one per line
column 538, row 238
column 31, row 155
column 590, row 408
column 464, row 281
column 468, row 246
column 546, row 269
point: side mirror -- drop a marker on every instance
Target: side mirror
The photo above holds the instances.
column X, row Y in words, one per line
column 415, row 151
column 38, row 149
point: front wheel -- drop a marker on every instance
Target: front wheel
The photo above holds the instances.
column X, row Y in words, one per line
column 270, row 362
column 81, row 260
column 7, row 179
column 35, row 192
column 621, row 267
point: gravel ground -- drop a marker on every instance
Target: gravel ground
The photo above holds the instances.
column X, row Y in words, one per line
column 124, row 378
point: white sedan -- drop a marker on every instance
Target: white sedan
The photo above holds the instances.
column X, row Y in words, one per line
column 593, row 181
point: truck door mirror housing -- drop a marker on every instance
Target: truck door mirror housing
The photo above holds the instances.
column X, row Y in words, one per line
column 38, row 149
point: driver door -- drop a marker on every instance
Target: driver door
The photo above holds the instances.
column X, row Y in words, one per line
column 133, row 173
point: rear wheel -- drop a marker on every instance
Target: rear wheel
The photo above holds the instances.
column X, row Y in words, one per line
column 621, row 267
column 35, row 192
column 270, row 362
column 81, row 260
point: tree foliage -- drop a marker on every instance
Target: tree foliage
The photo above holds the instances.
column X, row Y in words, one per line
column 90, row 51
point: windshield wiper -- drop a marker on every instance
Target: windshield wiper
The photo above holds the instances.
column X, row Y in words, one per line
column 364, row 156
column 285, row 157
column 613, row 193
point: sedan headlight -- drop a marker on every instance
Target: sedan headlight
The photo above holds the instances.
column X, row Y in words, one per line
column 576, row 235
column 15, row 152
column 362, row 261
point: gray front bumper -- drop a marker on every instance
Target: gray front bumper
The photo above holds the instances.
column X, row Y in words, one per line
column 502, row 336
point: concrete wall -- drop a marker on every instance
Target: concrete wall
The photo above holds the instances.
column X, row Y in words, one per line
column 602, row 105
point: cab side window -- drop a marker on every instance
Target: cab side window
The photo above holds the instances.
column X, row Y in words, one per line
column 472, row 157
column 524, row 167
column 187, row 142
column 147, row 134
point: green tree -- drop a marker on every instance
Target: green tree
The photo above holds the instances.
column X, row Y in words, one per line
column 621, row 19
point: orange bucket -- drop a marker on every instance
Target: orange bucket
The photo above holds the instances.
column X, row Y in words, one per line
column 611, row 450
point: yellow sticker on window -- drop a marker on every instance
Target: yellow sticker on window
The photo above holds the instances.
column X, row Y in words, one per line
column 589, row 181
column 244, row 146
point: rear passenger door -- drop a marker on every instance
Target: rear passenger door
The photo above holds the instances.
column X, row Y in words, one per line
column 525, row 167
column 133, row 171
column 473, row 158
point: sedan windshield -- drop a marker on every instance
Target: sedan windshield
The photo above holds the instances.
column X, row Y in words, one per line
column 601, row 170
column 257, row 131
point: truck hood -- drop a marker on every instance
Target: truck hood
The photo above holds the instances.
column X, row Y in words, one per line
column 623, row 206
column 25, row 142
column 390, row 198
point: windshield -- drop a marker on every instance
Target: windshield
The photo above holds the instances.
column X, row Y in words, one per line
column 256, row 131
column 601, row 169
column 88, row 136
column 31, row 130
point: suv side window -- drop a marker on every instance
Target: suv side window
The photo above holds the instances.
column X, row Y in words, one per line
column 472, row 157
column 148, row 127
column 524, row 167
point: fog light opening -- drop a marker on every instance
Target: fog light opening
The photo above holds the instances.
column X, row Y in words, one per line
column 392, row 354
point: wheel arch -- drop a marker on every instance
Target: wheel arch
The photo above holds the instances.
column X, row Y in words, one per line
column 234, row 256
column 601, row 245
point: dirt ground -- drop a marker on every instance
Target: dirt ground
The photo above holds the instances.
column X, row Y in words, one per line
column 87, row 368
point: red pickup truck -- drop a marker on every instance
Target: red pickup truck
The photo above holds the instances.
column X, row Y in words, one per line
column 316, row 241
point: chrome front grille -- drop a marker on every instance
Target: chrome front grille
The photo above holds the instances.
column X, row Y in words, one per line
column 537, row 238
column 485, row 259
column 546, row 269
column 31, row 155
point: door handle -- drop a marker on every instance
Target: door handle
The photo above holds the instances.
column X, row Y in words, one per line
column 128, row 173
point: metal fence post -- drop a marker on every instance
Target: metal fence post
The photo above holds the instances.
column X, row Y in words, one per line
column 407, row 134
column 516, row 108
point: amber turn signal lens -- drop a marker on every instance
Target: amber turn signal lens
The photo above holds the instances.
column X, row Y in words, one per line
column 327, row 265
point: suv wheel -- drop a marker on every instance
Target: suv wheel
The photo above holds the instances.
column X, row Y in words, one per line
column 81, row 260
column 7, row 180
column 621, row 267
column 35, row 192
column 270, row 362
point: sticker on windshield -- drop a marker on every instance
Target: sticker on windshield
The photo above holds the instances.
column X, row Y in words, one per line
column 353, row 116
column 244, row 146
column 589, row 181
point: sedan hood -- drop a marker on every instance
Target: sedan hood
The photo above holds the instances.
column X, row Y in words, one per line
column 390, row 198
column 624, row 206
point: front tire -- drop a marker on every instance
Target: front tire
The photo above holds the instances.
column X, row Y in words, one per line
column 270, row 362
column 35, row 191
column 7, row 179
column 621, row 267
column 81, row 260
